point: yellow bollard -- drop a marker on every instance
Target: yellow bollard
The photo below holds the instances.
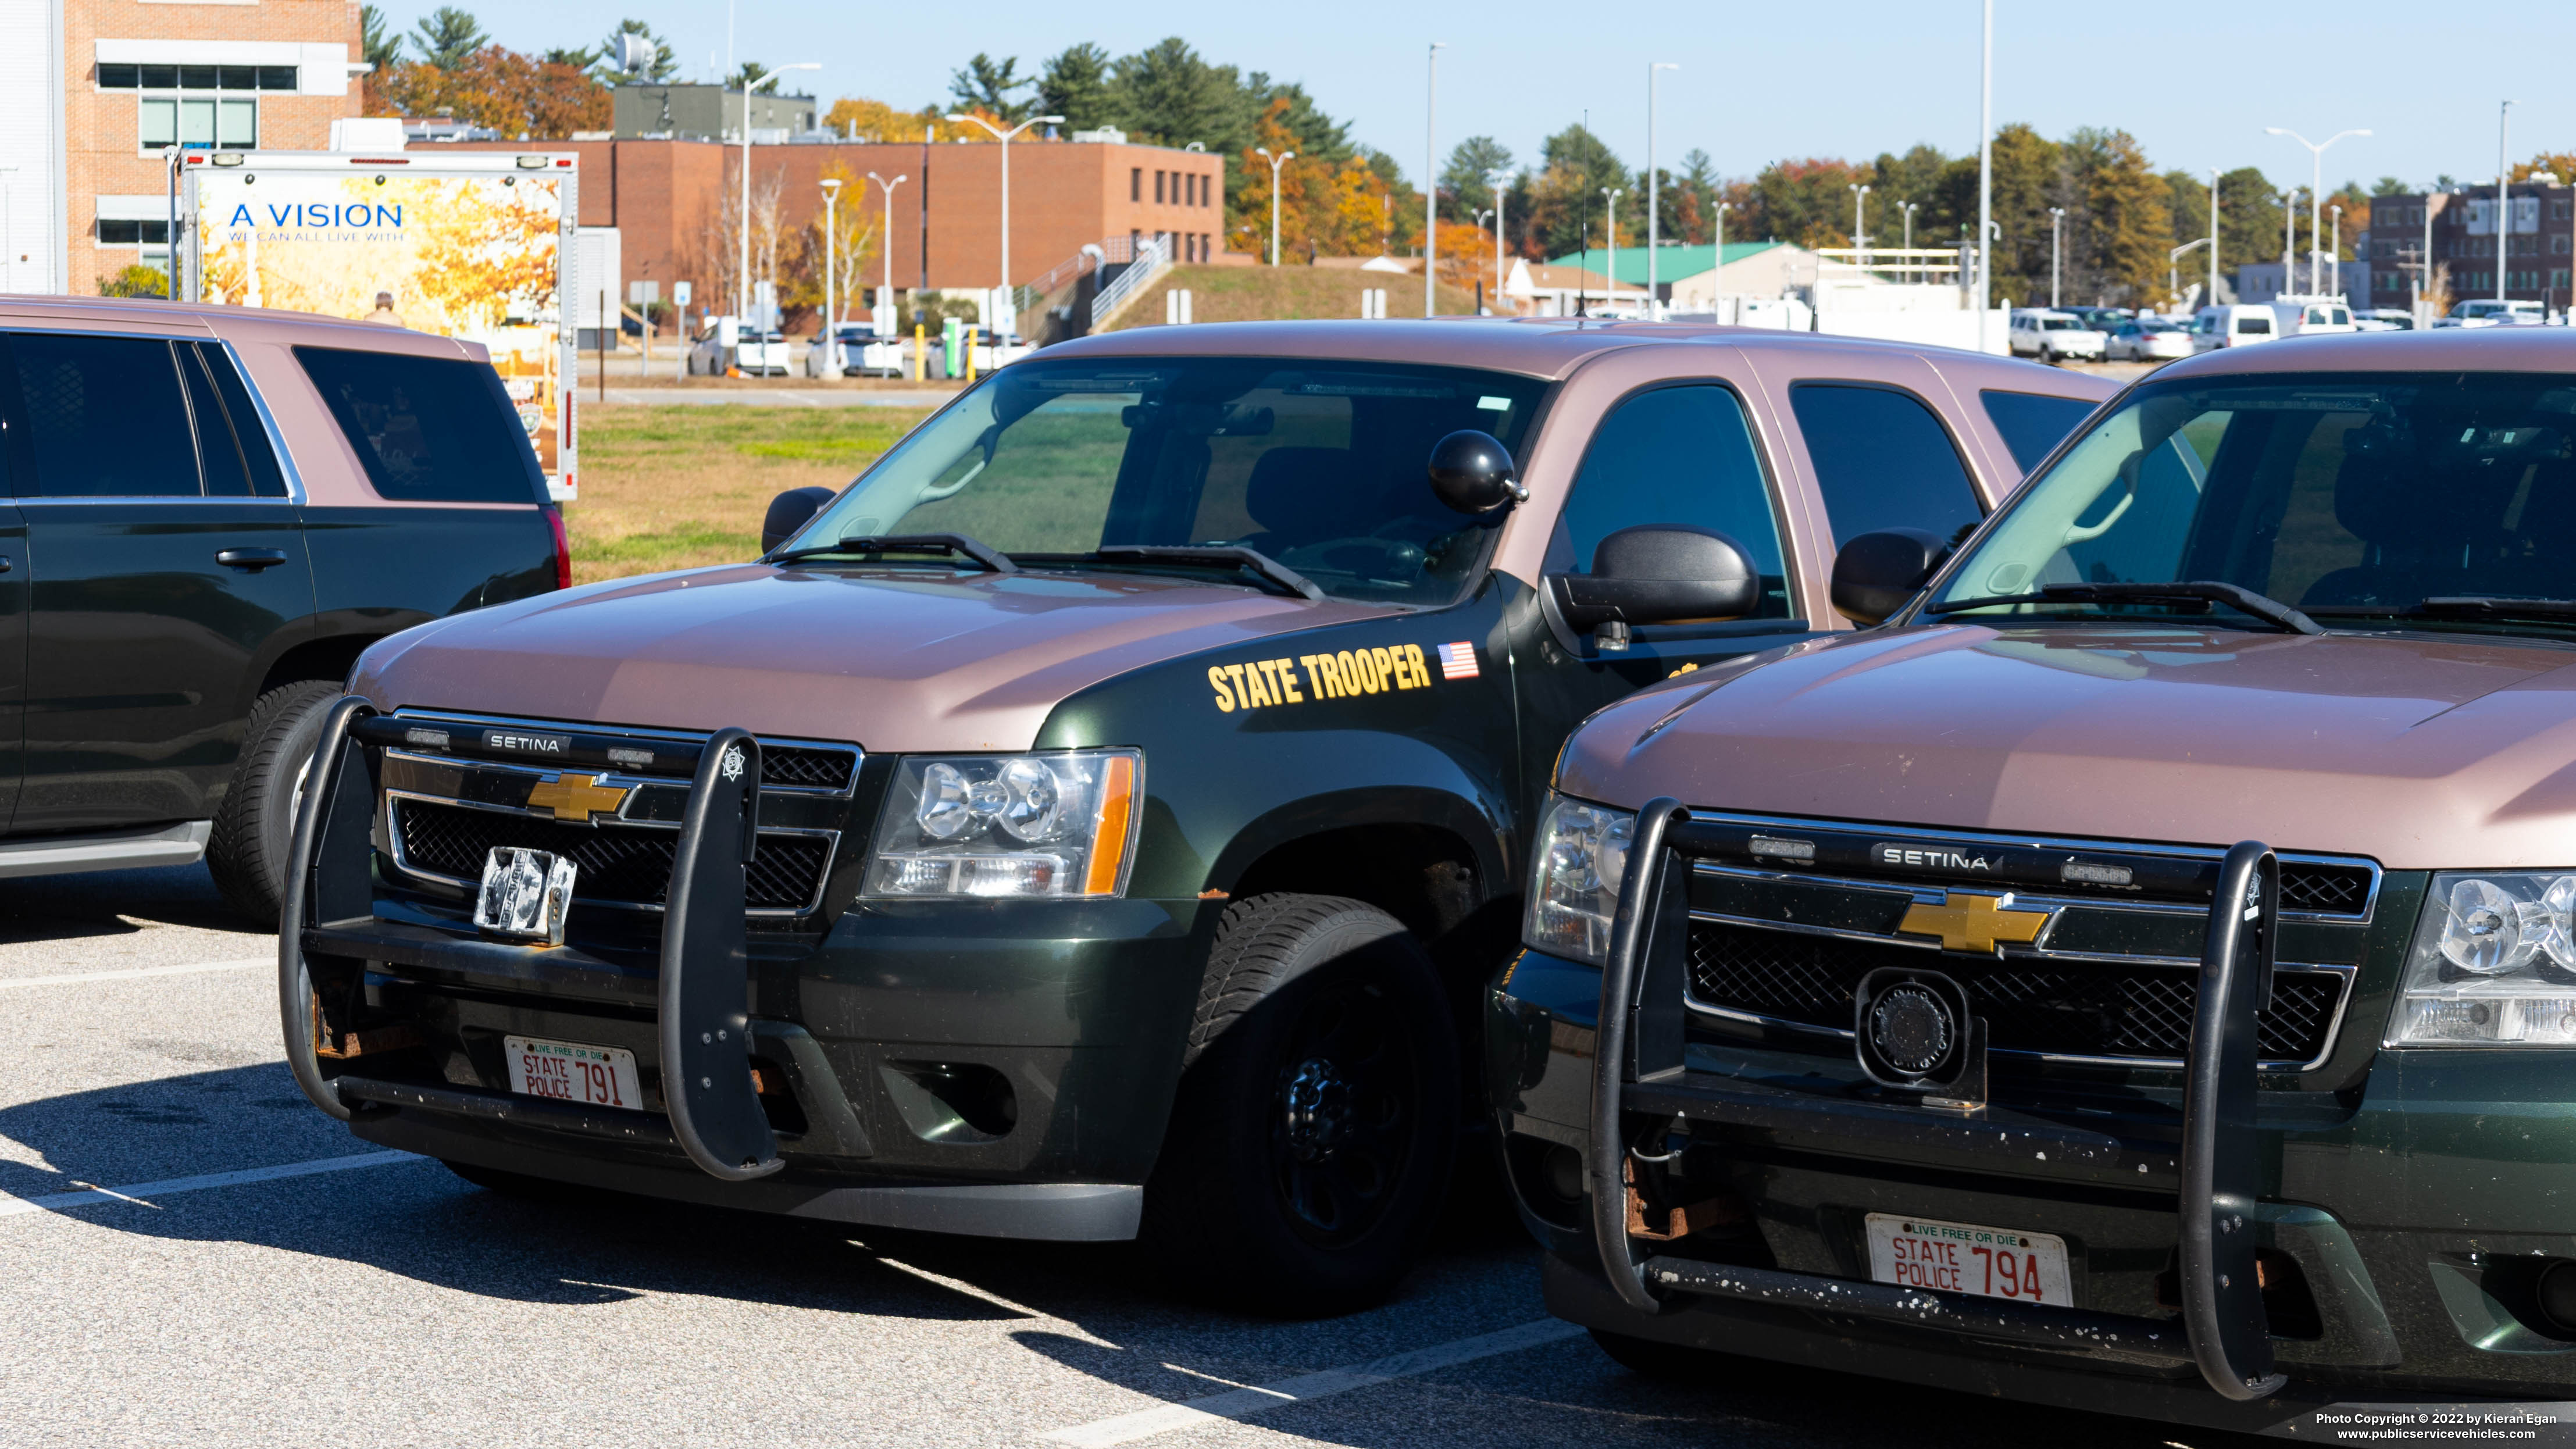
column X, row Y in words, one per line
column 970, row 356
column 920, row 352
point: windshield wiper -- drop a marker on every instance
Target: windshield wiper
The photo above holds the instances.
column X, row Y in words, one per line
column 2491, row 606
column 958, row 545
column 2243, row 600
column 1226, row 556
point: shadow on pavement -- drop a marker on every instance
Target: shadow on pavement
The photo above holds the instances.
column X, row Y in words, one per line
column 119, row 902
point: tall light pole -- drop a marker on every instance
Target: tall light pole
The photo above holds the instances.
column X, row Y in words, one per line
column 2316, row 190
column 1860, row 215
column 2056, row 230
column 1498, row 242
column 1431, row 176
column 1986, row 180
column 1717, row 253
column 1654, row 188
column 831, row 269
column 1282, row 159
column 2213, row 237
column 2504, row 126
column 1009, row 319
column 1495, row 179
column 1610, row 283
column 885, row 289
column 1909, row 208
column 2289, row 233
column 742, row 271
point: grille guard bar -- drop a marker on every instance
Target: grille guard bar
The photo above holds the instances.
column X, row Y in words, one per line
column 704, row 989
column 2223, row 1331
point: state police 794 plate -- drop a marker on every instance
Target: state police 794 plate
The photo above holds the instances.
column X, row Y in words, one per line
column 566, row 1071
column 1966, row 1258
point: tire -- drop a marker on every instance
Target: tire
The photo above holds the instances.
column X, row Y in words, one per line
column 255, row 826
column 1311, row 1141
column 1668, row 1362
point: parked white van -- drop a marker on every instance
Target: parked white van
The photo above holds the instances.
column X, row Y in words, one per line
column 2312, row 316
column 2233, row 324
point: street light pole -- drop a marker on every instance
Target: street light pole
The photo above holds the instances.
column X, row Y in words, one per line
column 2289, row 234
column 742, row 272
column 2334, row 252
column 831, row 269
column 1498, row 239
column 1717, row 254
column 2213, row 237
column 1986, row 180
column 885, row 301
column 2316, row 193
column 2504, row 126
column 1431, row 176
column 1495, row 179
column 1860, row 216
column 1654, row 188
column 1610, row 283
column 1009, row 319
column 2056, row 220
column 1909, row 208
column 1282, row 159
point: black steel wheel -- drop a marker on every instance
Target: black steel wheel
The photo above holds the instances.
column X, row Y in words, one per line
column 1316, row 1121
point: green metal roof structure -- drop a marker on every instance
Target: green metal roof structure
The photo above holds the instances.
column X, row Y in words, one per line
column 1671, row 263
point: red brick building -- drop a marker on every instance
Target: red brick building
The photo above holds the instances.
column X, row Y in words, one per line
column 668, row 201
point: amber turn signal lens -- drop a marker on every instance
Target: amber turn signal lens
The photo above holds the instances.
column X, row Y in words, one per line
column 1109, row 838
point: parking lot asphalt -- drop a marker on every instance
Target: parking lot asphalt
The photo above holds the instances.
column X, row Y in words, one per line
column 194, row 1255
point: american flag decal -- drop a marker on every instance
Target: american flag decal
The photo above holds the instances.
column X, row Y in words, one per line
column 1458, row 661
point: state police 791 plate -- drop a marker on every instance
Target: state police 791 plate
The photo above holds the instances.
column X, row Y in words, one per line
column 1965, row 1258
column 566, row 1071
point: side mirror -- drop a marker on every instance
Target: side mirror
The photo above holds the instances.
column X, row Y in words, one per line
column 1876, row 573
column 788, row 512
column 1472, row 472
column 1658, row 574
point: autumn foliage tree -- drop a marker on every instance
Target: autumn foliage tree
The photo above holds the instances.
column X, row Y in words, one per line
column 508, row 91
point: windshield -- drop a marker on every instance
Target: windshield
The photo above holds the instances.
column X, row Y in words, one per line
column 1319, row 465
column 2347, row 495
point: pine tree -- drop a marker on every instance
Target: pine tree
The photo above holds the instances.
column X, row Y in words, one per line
column 1075, row 85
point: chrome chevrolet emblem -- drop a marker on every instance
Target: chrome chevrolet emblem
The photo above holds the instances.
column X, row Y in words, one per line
column 1973, row 922
column 578, row 797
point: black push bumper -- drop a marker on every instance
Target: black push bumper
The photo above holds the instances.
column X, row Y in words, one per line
column 686, row 1011
column 1637, row 1074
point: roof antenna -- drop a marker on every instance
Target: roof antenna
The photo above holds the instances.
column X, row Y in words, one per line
column 1583, row 237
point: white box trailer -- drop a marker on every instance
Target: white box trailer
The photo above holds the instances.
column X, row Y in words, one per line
column 474, row 245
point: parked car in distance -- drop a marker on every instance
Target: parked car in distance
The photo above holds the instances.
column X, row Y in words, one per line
column 216, row 510
column 727, row 344
column 2149, row 339
column 2490, row 312
column 2233, row 324
column 2101, row 319
column 1144, row 751
column 862, row 353
column 2313, row 316
column 2053, row 336
column 2136, row 975
column 2383, row 319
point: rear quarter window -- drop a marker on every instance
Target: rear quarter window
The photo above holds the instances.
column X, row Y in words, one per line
column 2033, row 423
column 427, row 429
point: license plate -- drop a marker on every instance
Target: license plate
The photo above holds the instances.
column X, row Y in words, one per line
column 565, row 1071
column 1966, row 1258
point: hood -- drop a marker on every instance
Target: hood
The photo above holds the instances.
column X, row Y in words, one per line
column 2420, row 752
column 893, row 659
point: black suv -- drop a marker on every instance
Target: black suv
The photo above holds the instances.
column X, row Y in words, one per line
column 208, row 513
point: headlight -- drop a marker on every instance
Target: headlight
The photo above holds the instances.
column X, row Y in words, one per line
column 2494, row 963
column 1010, row 826
column 1574, row 887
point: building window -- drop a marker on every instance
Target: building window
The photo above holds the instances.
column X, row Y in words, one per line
column 197, row 122
column 113, row 233
column 196, row 77
column 1136, row 183
column 2558, row 208
column 2558, row 244
column 2558, row 278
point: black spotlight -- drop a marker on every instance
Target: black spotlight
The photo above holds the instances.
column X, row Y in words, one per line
column 1914, row 1031
column 2556, row 1293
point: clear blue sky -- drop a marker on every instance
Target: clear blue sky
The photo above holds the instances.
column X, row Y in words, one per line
column 2196, row 82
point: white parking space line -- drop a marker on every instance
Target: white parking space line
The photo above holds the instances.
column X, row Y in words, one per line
column 1261, row 1399
column 142, row 1193
column 191, row 969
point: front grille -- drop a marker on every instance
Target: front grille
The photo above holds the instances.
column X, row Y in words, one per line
column 2335, row 890
column 806, row 766
column 618, row 865
column 2093, row 1009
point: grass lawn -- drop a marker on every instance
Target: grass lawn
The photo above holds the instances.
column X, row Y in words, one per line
column 679, row 486
column 1251, row 294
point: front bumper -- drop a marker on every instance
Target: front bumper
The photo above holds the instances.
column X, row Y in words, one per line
column 2407, row 1207
column 1001, row 1069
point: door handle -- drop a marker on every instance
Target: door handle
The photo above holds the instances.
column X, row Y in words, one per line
column 251, row 559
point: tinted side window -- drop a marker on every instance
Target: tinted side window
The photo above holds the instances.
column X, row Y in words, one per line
column 267, row 479
column 1882, row 461
column 104, row 417
column 427, row 429
column 1677, row 455
column 2032, row 423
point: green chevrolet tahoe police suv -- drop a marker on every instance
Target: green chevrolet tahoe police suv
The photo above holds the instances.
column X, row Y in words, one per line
column 1100, row 818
